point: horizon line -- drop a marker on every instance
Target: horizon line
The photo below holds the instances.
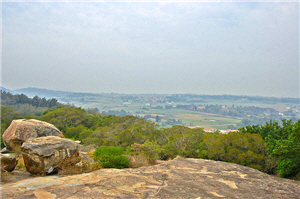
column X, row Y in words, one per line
column 81, row 92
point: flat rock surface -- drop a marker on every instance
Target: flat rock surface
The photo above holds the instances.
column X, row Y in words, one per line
column 180, row 178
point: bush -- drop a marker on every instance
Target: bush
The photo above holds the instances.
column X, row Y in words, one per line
column 111, row 157
column 149, row 150
column 137, row 161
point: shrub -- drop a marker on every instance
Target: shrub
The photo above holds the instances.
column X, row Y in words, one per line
column 143, row 154
column 137, row 161
column 111, row 157
column 151, row 151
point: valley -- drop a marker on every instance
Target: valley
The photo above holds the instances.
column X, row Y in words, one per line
column 211, row 112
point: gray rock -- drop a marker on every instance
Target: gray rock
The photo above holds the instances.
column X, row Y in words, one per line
column 21, row 130
column 8, row 162
column 45, row 155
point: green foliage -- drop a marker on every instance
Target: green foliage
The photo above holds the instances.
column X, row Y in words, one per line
column 241, row 148
column 9, row 99
column 271, row 147
column 74, row 131
column 110, row 130
column 283, row 143
column 111, row 157
column 178, row 140
column 7, row 115
column 150, row 150
column 286, row 148
column 64, row 117
column 26, row 106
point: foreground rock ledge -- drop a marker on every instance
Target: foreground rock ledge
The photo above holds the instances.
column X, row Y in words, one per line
column 180, row 178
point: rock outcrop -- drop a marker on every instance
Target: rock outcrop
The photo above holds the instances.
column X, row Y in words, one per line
column 4, row 150
column 21, row 130
column 180, row 178
column 45, row 155
column 8, row 162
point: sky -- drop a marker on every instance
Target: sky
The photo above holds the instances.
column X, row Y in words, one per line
column 217, row 48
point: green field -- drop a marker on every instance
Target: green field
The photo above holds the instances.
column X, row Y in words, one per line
column 216, row 111
column 151, row 105
column 189, row 118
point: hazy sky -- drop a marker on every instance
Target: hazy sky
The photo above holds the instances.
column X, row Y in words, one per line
column 152, row 47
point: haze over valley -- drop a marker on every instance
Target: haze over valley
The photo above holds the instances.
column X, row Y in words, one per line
column 88, row 85
column 212, row 112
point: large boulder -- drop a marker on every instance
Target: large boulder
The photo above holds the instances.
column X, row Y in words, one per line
column 45, row 155
column 21, row 130
column 8, row 162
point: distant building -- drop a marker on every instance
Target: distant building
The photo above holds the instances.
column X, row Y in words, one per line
column 225, row 131
column 200, row 107
column 209, row 129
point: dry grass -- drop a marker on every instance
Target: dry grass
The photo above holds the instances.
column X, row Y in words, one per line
column 137, row 161
column 21, row 164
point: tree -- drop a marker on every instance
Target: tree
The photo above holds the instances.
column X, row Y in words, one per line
column 241, row 148
column 287, row 149
column 157, row 119
column 7, row 116
column 283, row 145
column 64, row 117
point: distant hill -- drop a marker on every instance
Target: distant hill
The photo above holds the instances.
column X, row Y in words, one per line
column 5, row 89
column 31, row 92
column 192, row 98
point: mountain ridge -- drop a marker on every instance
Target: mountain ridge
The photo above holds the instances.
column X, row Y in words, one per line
column 41, row 92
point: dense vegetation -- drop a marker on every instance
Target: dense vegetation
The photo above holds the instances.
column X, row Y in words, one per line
column 111, row 157
column 27, row 106
column 283, row 144
column 216, row 111
column 272, row 148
